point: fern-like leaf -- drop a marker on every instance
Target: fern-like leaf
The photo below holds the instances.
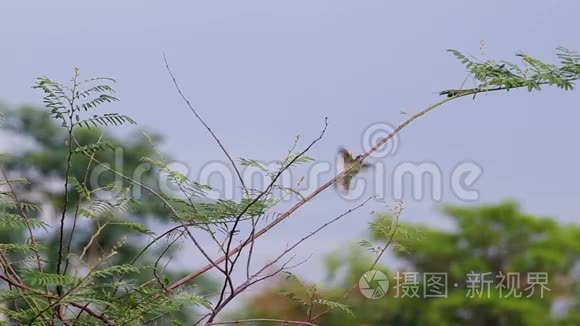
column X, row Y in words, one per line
column 105, row 120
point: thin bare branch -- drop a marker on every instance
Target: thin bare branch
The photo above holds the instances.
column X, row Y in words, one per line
column 204, row 123
column 255, row 200
column 252, row 279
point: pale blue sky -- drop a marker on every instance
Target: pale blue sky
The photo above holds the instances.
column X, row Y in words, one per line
column 261, row 72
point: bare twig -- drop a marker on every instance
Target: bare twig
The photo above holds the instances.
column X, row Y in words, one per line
column 157, row 264
column 251, row 250
column 252, row 279
column 203, row 123
column 255, row 200
column 174, row 229
column 255, row 220
column 245, row 285
column 311, row 234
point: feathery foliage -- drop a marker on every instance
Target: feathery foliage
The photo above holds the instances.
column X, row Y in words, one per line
column 98, row 264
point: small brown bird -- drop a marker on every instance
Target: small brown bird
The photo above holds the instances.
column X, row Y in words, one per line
column 354, row 165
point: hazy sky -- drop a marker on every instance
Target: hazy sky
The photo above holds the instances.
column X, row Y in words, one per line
column 261, row 72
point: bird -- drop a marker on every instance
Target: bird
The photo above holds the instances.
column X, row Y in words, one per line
column 354, row 165
column 457, row 92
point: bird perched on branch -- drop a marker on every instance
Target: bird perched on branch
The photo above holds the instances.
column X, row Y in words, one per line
column 457, row 92
column 353, row 165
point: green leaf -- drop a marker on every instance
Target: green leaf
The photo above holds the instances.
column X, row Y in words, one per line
column 37, row 278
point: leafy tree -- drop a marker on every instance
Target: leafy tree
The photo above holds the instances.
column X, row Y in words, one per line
column 94, row 260
column 42, row 164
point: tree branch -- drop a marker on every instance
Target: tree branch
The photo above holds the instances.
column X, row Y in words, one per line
column 203, row 123
column 299, row 204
